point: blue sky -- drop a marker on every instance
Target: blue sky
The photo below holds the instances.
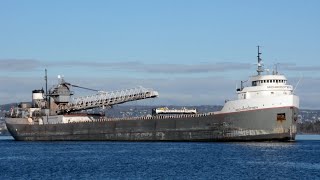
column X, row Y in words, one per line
column 192, row 52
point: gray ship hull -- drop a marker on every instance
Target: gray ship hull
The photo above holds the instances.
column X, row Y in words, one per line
column 255, row 125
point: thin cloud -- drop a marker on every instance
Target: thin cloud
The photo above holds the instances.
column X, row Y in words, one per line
column 19, row 64
column 294, row 67
column 193, row 68
column 161, row 68
column 124, row 65
column 15, row 65
column 135, row 66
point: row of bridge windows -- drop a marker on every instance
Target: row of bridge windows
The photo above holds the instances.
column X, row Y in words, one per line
column 254, row 83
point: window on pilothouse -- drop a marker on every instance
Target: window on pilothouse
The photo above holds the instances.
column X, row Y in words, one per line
column 254, row 83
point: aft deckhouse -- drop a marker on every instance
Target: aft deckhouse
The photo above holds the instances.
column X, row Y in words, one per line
column 263, row 91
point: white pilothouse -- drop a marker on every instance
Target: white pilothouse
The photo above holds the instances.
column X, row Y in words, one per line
column 265, row 91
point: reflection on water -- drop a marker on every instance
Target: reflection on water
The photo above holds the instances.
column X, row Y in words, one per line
column 276, row 145
column 268, row 144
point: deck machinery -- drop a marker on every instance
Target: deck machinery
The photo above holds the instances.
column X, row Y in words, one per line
column 59, row 100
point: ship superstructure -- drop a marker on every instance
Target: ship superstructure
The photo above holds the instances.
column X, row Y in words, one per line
column 52, row 107
column 264, row 91
column 266, row 109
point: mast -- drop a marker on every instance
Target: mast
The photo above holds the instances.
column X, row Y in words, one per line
column 260, row 69
column 47, row 100
column 46, row 79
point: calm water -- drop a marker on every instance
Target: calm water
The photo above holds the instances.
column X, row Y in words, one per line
column 125, row 160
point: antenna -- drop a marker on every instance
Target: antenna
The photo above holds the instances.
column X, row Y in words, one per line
column 297, row 84
column 276, row 68
column 46, row 79
column 260, row 69
column 47, row 100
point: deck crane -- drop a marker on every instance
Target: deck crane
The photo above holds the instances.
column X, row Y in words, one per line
column 60, row 101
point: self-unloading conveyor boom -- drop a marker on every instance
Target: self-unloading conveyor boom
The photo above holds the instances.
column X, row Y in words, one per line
column 61, row 101
column 110, row 98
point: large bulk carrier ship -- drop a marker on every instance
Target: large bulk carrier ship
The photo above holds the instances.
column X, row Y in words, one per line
column 267, row 109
